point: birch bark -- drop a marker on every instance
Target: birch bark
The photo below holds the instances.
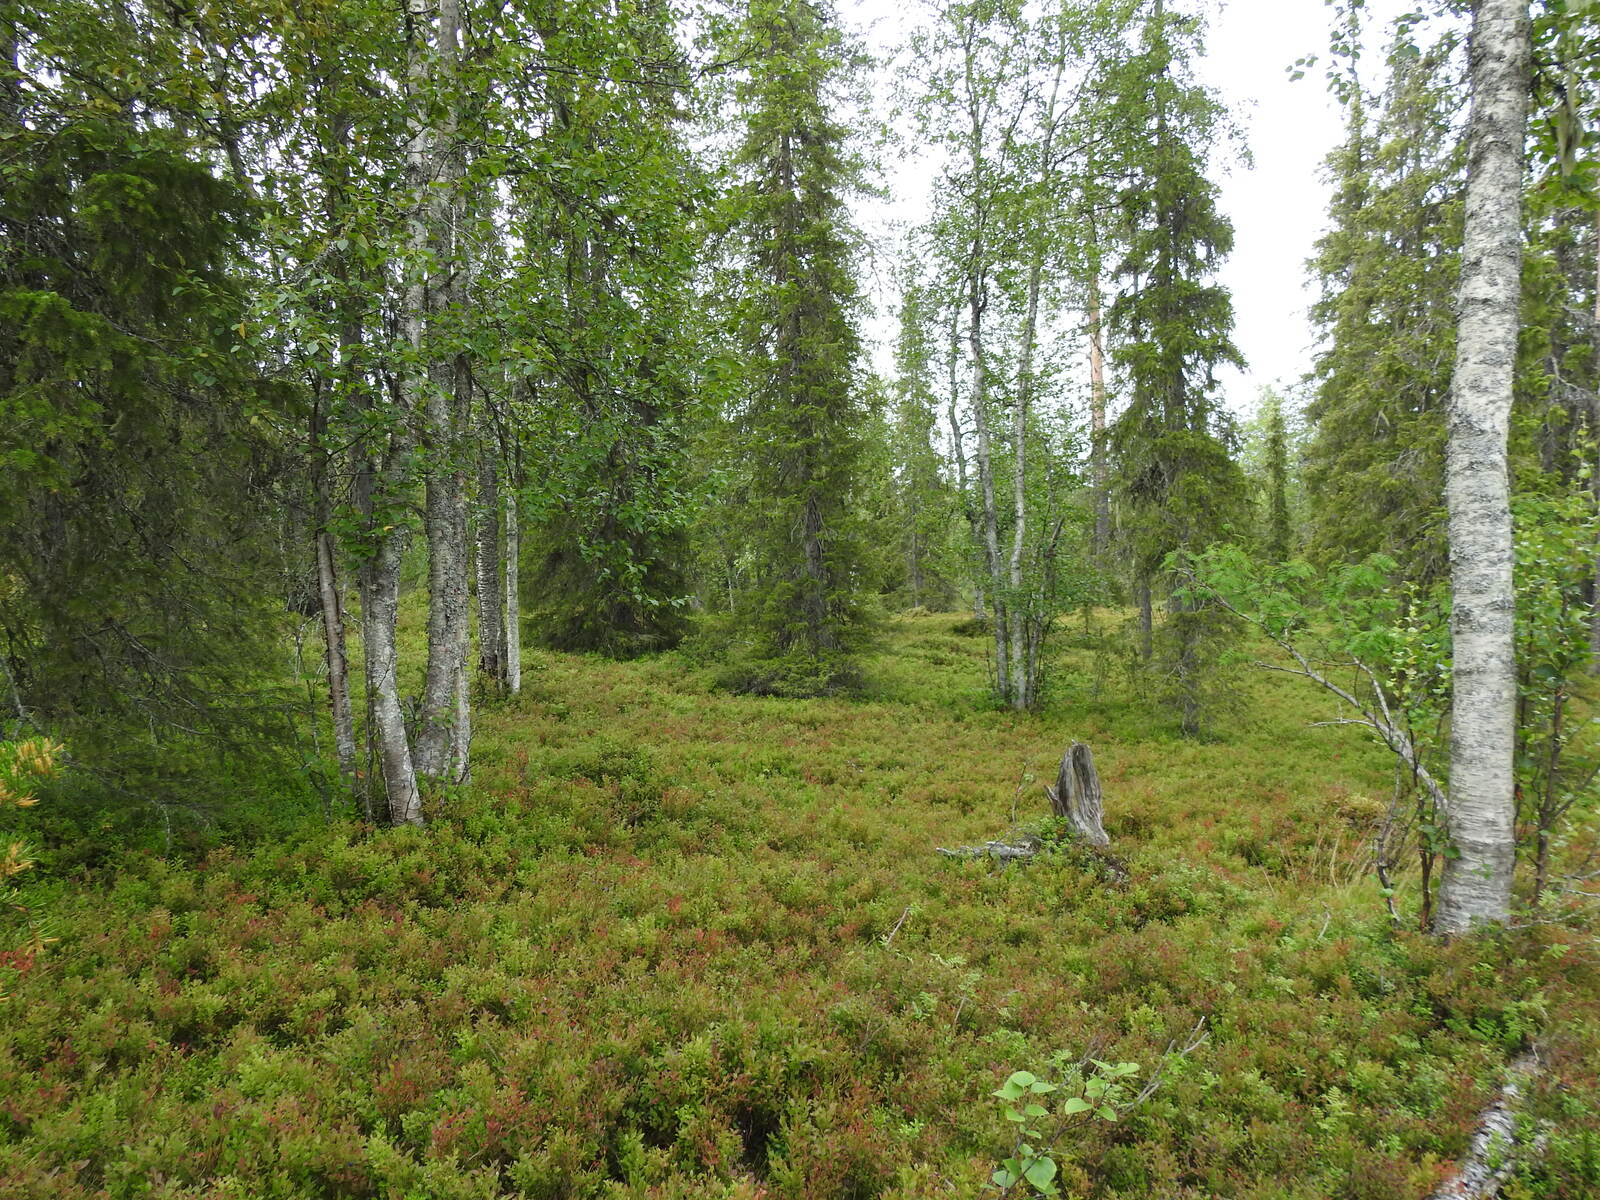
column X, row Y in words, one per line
column 1097, row 419
column 958, row 446
column 437, row 240
column 513, row 609
column 991, row 523
column 1476, row 883
column 491, row 596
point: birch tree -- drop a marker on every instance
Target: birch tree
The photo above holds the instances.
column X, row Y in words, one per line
column 1476, row 885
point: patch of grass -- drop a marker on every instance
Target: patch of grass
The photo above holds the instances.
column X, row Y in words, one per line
column 681, row 943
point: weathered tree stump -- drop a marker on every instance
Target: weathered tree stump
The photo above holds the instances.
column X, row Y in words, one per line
column 1076, row 795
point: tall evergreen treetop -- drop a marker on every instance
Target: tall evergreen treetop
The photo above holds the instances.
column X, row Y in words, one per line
column 1172, row 324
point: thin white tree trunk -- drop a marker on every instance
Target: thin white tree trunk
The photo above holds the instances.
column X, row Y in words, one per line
column 1097, row 419
column 491, row 596
column 991, row 522
column 1022, row 661
column 461, row 732
column 1476, row 884
column 958, row 445
column 443, row 413
column 1021, row 677
column 381, row 605
column 513, row 609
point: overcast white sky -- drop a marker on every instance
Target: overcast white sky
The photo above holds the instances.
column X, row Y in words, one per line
column 1278, row 205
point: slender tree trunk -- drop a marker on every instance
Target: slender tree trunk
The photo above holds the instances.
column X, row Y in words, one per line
column 382, row 602
column 332, row 604
column 1147, row 623
column 1476, row 883
column 491, row 595
column 1021, row 675
column 431, row 302
column 958, row 445
column 380, row 485
column 513, row 608
column 1097, row 420
column 461, row 733
column 991, row 517
column 363, row 487
column 1594, row 433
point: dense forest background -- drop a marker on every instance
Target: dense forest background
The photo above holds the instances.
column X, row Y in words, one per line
column 361, row 363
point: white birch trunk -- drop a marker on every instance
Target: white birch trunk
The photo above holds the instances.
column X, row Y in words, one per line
column 491, row 596
column 1021, row 695
column 461, row 732
column 513, row 609
column 381, row 604
column 958, row 445
column 1476, row 884
column 1097, row 419
column 443, row 413
column 991, row 523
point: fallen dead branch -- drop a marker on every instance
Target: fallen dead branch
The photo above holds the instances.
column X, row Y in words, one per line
column 1495, row 1147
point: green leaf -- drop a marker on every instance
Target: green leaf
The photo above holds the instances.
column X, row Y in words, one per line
column 1075, row 1104
column 1040, row 1172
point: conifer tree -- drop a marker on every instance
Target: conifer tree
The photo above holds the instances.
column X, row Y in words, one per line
column 140, row 437
column 1177, row 486
column 1375, row 459
column 802, row 420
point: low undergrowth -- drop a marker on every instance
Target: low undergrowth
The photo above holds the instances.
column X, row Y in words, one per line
column 678, row 943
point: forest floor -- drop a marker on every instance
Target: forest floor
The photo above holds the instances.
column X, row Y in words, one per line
column 677, row 943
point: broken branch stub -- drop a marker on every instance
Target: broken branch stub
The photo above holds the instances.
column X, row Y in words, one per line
column 1076, row 795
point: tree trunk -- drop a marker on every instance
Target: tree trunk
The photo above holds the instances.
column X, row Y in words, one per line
column 461, row 732
column 1147, row 623
column 491, row 595
column 436, row 239
column 513, row 608
column 1594, row 434
column 333, row 639
column 1076, row 795
column 958, row 445
column 399, row 774
column 1021, row 677
column 1476, row 883
column 1097, row 420
column 991, row 530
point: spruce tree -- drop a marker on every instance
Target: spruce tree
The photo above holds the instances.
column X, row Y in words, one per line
column 1375, row 459
column 139, row 435
column 1177, row 487
column 925, row 504
column 802, row 420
